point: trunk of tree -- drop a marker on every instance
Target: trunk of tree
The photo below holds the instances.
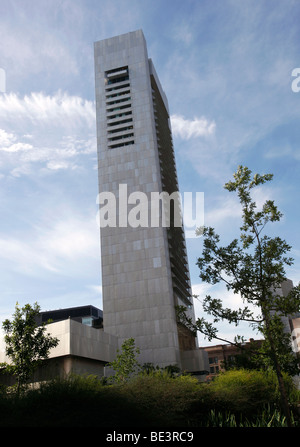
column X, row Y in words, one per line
column 18, row 386
column 282, row 388
column 283, row 395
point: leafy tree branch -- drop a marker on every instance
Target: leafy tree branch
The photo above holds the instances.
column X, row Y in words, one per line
column 27, row 344
column 252, row 266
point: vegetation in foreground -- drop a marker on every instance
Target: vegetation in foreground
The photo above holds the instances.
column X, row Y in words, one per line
column 237, row 398
column 253, row 267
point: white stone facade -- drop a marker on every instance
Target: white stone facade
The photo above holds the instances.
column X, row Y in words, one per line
column 137, row 280
column 81, row 350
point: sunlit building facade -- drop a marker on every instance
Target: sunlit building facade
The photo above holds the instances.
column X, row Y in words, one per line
column 145, row 272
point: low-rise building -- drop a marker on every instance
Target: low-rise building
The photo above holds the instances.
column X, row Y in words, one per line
column 226, row 354
column 83, row 348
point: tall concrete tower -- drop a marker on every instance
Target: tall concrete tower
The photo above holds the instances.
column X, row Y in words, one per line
column 145, row 270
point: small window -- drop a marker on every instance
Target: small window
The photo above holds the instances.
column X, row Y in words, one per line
column 88, row 321
column 121, row 137
column 117, row 123
column 119, row 115
column 118, row 101
column 117, row 75
column 116, row 88
column 128, row 143
column 213, row 360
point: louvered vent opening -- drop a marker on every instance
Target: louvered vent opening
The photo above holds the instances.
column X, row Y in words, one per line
column 118, row 108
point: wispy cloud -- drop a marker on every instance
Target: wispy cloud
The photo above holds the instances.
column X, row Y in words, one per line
column 197, row 127
column 50, row 130
column 285, row 150
column 6, row 139
column 9, row 143
column 53, row 130
column 223, row 212
column 22, row 257
column 66, row 244
column 182, row 32
column 31, row 50
column 230, row 300
column 40, row 109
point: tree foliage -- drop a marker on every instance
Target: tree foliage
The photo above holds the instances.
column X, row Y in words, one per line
column 252, row 266
column 27, row 344
column 125, row 363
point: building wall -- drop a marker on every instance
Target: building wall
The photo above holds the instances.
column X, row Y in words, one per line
column 80, row 340
column 138, row 295
column 218, row 355
column 81, row 349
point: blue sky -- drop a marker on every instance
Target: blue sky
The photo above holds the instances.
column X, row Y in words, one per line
column 226, row 67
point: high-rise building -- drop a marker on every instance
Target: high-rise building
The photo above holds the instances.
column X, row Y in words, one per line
column 145, row 270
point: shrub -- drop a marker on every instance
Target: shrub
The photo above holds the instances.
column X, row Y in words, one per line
column 247, row 391
column 73, row 402
column 163, row 397
column 153, row 399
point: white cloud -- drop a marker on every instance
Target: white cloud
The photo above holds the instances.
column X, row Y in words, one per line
column 71, row 239
column 8, row 143
column 67, row 245
column 226, row 331
column 226, row 209
column 55, row 165
column 229, row 299
column 186, row 129
column 22, row 256
column 95, row 288
column 17, row 147
column 6, row 138
column 38, row 108
column 60, row 128
column 50, row 130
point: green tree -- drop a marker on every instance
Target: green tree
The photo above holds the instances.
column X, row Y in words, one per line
column 125, row 363
column 252, row 266
column 27, row 344
column 246, row 358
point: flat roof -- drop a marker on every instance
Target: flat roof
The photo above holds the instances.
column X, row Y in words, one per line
column 72, row 312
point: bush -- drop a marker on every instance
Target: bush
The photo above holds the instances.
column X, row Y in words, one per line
column 248, row 391
column 162, row 397
column 74, row 402
column 153, row 399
